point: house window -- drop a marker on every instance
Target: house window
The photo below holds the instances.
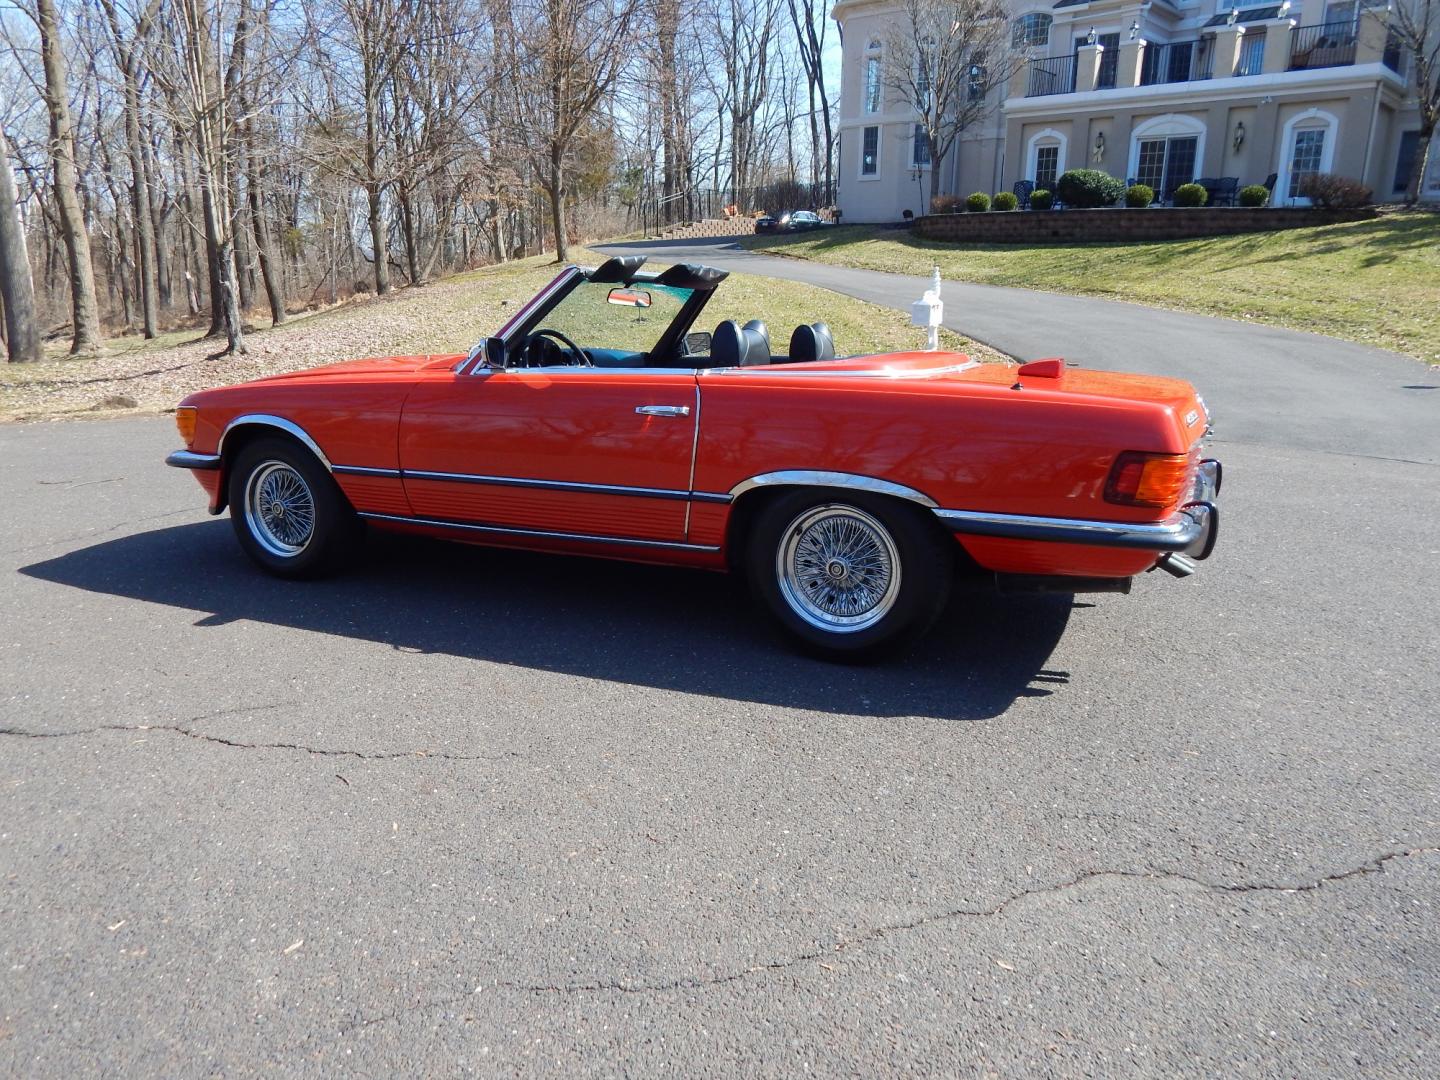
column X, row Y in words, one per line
column 1252, row 53
column 1405, row 160
column 1342, row 13
column 872, row 78
column 1047, row 166
column 1032, row 30
column 976, row 86
column 870, row 152
column 1306, row 157
column 1164, row 164
column 920, row 147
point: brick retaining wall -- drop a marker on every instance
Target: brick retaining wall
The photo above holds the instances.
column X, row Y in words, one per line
column 1152, row 223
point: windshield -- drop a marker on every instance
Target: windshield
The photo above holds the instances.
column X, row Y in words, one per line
column 616, row 318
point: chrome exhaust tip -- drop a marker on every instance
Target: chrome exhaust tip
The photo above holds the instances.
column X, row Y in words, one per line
column 1176, row 565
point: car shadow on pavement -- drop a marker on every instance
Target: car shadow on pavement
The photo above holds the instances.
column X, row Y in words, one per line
column 647, row 625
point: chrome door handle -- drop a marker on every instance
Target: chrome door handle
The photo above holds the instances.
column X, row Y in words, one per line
column 663, row 410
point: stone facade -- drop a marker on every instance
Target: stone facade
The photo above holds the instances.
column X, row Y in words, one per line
column 1166, row 93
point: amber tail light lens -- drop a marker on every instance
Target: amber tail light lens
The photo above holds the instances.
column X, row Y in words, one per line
column 1143, row 479
column 185, row 423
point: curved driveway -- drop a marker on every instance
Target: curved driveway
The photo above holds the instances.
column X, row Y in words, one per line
column 480, row 813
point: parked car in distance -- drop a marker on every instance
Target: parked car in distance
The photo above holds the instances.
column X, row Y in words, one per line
column 849, row 491
column 767, row 223
column 804, row 221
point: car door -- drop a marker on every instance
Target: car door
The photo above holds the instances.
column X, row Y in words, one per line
column 581, row 451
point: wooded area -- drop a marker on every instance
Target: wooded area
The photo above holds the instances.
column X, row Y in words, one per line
column 211, row 162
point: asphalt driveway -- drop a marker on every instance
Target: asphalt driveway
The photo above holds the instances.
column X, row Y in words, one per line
column 472, row 812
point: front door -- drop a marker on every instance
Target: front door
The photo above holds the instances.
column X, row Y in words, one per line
column 576, row 450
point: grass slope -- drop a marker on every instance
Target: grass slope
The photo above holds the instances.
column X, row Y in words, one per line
column 136, row 376
column 1376, row 282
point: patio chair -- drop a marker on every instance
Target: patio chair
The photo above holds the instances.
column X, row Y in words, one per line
column 1269, row 184
column 1208, row 183
column 1022, row 190
column 1225, row 190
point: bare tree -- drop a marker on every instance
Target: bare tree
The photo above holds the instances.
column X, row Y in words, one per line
column 568, row 61
column 85, row 310
column 17, row 287
column 944, row 58
column 811, row 20
column 1415, row 29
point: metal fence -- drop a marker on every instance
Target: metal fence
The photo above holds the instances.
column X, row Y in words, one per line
column 1326, row 45
column 1055, row 75
column 1179, row 61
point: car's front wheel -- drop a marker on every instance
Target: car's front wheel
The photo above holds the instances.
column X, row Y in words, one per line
column 288, row 513
column 849, row 576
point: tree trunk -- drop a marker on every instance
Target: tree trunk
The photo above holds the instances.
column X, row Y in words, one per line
column 1418, row 166
column 264, row 244
column 17, row 287
column 555, row 188
column 84, row 307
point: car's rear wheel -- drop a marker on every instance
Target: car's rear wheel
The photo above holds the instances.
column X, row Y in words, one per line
column 288, row 513
column 849, row 577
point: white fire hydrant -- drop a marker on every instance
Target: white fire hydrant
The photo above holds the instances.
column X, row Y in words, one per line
column 929, row 312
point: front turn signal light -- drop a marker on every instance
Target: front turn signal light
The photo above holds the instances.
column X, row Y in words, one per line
column 185, row 423
column 1143, row 479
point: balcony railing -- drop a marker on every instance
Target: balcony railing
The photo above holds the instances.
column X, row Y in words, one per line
column 1179, row 61
column 1055, row 75
column 1252, row 54
column 1327, row 45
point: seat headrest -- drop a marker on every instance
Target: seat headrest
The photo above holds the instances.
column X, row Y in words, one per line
column 813, row 342
column 733, row 345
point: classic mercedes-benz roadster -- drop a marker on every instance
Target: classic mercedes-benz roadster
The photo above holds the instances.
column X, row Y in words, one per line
column 850, row 491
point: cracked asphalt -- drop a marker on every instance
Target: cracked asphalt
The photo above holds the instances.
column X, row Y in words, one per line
column 467, row 812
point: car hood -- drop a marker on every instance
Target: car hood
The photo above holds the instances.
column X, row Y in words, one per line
column 380, row 365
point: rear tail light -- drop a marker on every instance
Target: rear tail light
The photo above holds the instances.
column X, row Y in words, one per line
column 185, row 423
column 1143, row 479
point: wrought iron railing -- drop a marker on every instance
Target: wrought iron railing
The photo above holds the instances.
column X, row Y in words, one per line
column 1179, row 61
column 1053, row 75
column 1326, row 45
column 1252, row 54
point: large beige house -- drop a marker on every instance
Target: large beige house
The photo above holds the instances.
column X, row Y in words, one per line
column 1159, row 91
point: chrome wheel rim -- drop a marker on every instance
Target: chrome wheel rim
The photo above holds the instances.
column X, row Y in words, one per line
column 838, row 569
column 279, row 509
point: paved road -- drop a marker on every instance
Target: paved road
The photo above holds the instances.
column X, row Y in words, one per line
column 486, row 813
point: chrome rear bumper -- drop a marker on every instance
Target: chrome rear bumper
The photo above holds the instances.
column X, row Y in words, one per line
column 1192, row 530
column 188, row 459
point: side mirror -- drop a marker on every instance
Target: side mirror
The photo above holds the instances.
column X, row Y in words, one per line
column 495, row 352
column 698, row 343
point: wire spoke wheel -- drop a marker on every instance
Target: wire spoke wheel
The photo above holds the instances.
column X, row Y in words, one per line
column 279, row 509
column 838, row 569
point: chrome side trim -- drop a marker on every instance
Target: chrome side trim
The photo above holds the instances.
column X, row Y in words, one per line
column 188, row 459
column 711, row 497
column 817, row 478
column 547, row 534
column 287, row 426
column 546, row 485
column 1175, row 534
column 365, row 470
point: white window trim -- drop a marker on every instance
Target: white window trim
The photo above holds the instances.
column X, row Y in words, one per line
column 1310, row 118
column 872, row 52
column 860, row 172
column 1163, row 127
column 1032, row 151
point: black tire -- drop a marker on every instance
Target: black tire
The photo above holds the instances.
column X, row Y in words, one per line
column 275, row 476
column 849, row 576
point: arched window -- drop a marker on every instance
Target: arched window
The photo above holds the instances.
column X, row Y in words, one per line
column 1032, row 29
column 872, row 77
column 1307, row 146
column 1045, row 158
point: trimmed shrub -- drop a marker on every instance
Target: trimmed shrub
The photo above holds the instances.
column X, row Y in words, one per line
column 1040, row 199
column 978, row 202
column 1334, row 192
column 1005, row 200
column 1089, row 188
column 946, row 204
column 1139, row 196
column 1191, row 195
column 1253, row 195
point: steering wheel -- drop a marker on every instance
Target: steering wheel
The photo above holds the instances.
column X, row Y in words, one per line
column 581, row 356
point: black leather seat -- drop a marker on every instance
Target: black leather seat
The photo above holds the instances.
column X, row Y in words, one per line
column 733, row 345
column 813, row 342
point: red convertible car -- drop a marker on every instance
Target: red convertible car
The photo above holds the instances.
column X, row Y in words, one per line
column 849, row 491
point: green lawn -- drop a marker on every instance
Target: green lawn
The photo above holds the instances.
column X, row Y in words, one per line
column 1376, row 282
